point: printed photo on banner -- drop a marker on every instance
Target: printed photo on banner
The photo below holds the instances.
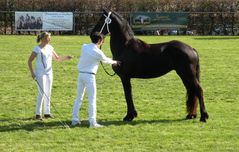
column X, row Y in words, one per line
column 28, row 20
column 44, row 21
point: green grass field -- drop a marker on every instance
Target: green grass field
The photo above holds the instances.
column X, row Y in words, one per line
column 160, row 102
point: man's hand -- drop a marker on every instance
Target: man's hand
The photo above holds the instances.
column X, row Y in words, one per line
column 118, row 63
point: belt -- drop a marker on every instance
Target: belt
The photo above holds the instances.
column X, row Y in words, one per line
column 87, row 72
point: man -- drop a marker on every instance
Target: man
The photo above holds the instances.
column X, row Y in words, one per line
column 88, row 65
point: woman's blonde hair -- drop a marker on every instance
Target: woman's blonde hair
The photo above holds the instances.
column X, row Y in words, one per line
column 42, row 36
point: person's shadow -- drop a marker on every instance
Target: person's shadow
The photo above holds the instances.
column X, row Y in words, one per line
column 29, row 124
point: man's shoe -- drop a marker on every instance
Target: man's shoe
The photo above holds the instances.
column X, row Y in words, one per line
column 38, row 117
column 75, row 123
column 48, row 116
column 96, row 125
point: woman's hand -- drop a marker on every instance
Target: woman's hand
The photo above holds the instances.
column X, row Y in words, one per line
column 69, row 57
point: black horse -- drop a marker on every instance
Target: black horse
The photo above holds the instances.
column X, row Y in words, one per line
column 142, row 60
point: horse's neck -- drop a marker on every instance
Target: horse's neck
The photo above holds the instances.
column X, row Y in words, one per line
column 120, row 35
column 119, row 40
column 118, row 44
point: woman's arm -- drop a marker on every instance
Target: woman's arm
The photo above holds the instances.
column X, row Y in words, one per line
column 30, row 60
column 60, row 58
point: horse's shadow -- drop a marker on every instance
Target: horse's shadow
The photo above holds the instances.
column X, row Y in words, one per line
column 34, row 125
column 137, row 122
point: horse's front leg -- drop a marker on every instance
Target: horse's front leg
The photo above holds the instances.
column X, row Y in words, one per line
column 131, row 112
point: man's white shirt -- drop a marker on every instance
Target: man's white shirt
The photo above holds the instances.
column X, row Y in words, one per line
column 90, row 57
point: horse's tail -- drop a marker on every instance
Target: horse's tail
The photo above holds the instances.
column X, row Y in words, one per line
column 198, row 71
column 192, row 103
column 197, row 67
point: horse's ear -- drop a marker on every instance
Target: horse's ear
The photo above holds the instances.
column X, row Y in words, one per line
column 105, row 11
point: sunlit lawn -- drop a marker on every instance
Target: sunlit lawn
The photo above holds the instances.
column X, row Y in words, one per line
column 160, row 125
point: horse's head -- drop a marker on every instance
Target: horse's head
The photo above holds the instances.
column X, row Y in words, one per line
column 112, row 22
column 104, row 22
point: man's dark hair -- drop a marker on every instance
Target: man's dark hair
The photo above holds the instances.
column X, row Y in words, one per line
column 96, row 36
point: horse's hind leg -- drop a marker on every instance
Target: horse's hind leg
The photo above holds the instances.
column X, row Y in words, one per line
column 194, row 112
column 194, row 91
column 188, row 77
column 199, row 94
column 191, row 105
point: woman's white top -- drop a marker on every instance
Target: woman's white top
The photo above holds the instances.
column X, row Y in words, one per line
column 44, row 59
column 90, row 57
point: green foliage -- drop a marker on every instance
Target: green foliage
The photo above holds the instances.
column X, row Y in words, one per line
column 160, row 102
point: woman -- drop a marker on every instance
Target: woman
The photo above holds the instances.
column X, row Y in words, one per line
column 90, row 57
column 43, row 74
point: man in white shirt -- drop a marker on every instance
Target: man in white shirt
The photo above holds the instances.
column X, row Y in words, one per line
column 88, row 65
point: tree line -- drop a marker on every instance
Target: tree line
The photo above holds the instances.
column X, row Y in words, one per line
column 205, row 16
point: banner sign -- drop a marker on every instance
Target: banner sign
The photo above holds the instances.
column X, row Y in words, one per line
column 154, row 21
column 43, row 21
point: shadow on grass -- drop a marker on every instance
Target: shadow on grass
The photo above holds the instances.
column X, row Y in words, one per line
column 30, row 124
column 217, row 38
column 137, row 122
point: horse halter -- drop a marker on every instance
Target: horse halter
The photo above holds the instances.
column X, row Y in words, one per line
column 107, row 22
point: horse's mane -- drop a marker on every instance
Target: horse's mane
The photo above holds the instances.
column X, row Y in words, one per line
column 137, row 44
column 132, row 42
column 124, row 25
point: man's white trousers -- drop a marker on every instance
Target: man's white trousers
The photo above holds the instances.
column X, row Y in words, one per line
column 88, row 82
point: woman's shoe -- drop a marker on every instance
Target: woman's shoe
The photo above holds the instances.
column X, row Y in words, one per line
column 48, row 116
column 38, row 117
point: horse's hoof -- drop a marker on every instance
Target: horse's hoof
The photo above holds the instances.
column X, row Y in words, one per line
column 135, row 113
column 126, row 119
column 191, row 116
column 130, row 117
column 204, row 117
column 194, row 116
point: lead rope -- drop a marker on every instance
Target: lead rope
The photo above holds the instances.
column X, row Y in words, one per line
column 106, row 70
column 42, row 61
column 65, row 125
column 44, row 94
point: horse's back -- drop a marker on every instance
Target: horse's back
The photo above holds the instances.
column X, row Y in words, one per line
column 177, row 50
column 147, row 60
column 152, row 60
